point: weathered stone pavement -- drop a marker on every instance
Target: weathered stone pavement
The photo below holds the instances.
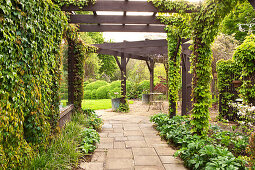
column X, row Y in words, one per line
column 129, row 142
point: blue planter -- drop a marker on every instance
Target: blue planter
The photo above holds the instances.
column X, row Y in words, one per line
column 115, row 104
column 146, row 98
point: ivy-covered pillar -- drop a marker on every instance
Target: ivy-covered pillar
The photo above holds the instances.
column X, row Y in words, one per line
column 174, row 42
column 123, row 70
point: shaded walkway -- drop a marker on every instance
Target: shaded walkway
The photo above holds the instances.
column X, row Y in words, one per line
column 130, row 142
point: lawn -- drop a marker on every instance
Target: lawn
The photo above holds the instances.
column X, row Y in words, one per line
column 97, row 104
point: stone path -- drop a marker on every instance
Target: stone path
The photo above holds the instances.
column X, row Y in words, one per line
column 129, row 142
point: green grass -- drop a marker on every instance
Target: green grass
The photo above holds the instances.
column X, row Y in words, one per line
column 97, row 104
column 62, row 152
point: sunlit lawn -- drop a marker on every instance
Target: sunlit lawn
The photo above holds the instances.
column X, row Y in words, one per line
column 97, row 104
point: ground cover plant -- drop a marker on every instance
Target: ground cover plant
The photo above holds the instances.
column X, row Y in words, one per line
column 78, row 138
column 220, row 149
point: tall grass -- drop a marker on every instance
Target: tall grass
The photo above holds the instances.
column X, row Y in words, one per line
column 62, row 153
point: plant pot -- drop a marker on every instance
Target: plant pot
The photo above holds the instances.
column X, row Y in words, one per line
column 115, row 104
column 237, row 83
column 146, row 98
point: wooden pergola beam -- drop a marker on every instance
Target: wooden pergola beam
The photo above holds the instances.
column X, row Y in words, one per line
column 131, row 6
column 113, row 19
column 252, row 2
column 121, row 28
column 134, row 44
column 117, row 53
column 144, row 50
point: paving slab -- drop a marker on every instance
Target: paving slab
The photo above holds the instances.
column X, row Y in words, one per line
column 149, row 168
column 148, row 160
column 137, row 138
column 133, row 133
column 119, row 145
column 144, row 152
column 92, row 165
column 165, row 151
column 98, row 156
column 174, row 167
column 170, row 160
column 119, row 164
column 136, row 144
column 119, row 153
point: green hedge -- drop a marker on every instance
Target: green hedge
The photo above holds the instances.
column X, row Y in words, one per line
column 103, row 92
column 95, row 85
column 227, row 71
column 31, row 34
column 245, row 59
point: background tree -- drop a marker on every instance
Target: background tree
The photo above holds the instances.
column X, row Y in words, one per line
column 242, row 14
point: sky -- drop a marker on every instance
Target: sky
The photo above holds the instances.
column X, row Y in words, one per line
column 132, row 36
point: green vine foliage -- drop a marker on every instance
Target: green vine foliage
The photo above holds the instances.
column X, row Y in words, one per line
column 245, row 59
column 204, row 25
column 78, row 52
column 227, row 71
column 176, row 29
column 31, row 32
column 79, row 3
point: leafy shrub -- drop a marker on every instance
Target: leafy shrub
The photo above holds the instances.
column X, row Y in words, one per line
column 89, row 139
column 144, row 86
column 93, row 94
column 87, row 94
column 103, row 92
column 201, row 152
column 95, row 85
column 93, row 119
column 245, row 59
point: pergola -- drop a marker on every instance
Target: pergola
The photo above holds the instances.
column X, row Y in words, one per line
column 151, row 51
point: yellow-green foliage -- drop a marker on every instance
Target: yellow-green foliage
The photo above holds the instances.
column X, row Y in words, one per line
column 245, row 59
column 204, row 23
column 30, row 32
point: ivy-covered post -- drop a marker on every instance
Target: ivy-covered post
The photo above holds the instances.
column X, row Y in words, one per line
column 123, row 78
column 174, row 43
column 70, row 71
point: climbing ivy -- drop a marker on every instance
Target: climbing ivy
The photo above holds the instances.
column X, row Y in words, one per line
column 245, row 59
column 176, row 29
column 31, row 32
column 204, row 24
column 77, row 53
column 79, row 3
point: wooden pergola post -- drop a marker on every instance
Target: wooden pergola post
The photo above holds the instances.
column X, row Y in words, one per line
column 151, row 65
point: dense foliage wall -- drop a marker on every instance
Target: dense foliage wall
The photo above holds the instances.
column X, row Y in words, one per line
column 245, row 59
column 31, row 32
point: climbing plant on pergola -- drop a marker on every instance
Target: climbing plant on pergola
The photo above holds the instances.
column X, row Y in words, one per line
column 203, row 22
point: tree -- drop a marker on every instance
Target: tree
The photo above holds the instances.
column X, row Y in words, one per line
column 242, row 14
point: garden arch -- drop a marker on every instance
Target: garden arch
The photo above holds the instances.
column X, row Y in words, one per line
column 127, row 50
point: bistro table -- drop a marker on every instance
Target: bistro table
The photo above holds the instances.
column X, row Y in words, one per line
column 156, row 100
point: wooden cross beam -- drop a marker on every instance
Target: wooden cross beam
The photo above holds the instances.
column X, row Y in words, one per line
column 113, row 19
column 252, row 2
column 144, row 51
column 121, row 28
column 134, row 44
column 130, row 6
